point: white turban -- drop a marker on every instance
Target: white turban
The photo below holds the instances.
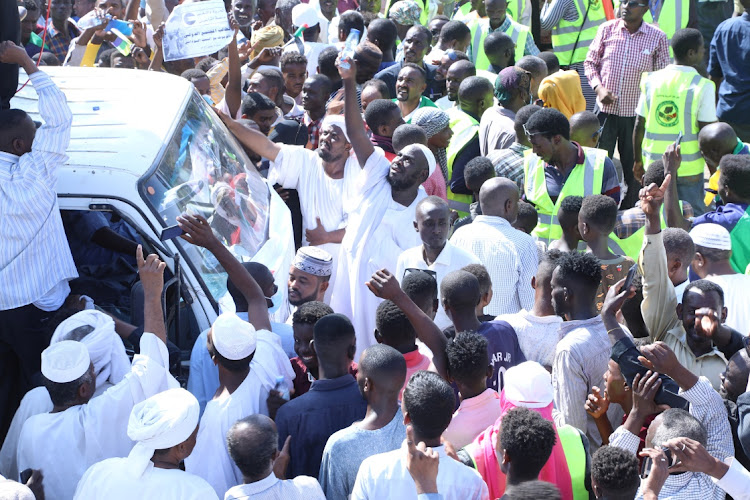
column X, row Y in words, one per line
column 711, row 236
column 65, row 361
column 160, row 422
column 233, row 338
column 105, row 347
column 337, row 120
column 428, row 156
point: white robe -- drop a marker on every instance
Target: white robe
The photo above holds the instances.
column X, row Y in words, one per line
column 379, row 231
column 108, row 480
column 210, row 458
column 319, row 195
column 65, row 444
column 35, row 401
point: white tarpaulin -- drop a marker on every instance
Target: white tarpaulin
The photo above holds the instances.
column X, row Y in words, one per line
column 196, row 29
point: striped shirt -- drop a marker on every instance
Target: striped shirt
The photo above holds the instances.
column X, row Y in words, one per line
column 510, row 257
column 557, row 10
column 35, row 259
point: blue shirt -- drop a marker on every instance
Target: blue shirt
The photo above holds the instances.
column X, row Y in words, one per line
column 725, row 215
column 729, row 58
column 329, row 406
column 503, row 348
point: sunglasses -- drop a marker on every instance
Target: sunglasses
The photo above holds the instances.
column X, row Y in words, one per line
column 529, row 135
column 635, row 4
column 428, row 272
column 598, row 133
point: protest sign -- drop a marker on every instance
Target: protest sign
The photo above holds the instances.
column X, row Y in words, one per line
column 196, row 29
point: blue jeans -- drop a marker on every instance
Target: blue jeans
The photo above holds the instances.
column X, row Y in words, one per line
column 691, row 190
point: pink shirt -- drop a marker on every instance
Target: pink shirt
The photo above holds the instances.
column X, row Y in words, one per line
column 415, row 361
column 435, row 185
column 473, row 416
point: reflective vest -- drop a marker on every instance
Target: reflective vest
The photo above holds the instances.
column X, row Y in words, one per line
column 480, row 28
column 465, row 128
column 564, row 35
column 516, row 9
column 584, row 180
column 740, row 237
column 424, row 17
column 463, row 13
column 672, row 97
column 672, row 16
column 631, row 246
column 576, row 458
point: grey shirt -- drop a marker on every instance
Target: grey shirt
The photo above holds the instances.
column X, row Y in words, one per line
column 348, row 448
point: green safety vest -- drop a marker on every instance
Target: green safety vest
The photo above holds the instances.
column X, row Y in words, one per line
column 631, row 246
column 424, row 4
column 480, row 28
column 672, row 16
column 740, row 237
column 672, row 100
column 564, row 35
column 584, row 180
column 575, row 456
column 516, row 9
column 465, row 128
column 462, row 13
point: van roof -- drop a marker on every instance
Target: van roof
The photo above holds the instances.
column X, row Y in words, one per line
column 121, row 118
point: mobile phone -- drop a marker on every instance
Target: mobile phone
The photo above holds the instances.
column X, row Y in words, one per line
column 170, row 233
column 648, row 462
column 679, row 139
column 26, row 475
column 630, row 276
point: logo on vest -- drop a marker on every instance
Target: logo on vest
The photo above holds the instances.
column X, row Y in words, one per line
column 666, row 114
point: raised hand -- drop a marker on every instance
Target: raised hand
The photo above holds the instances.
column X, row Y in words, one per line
column 644, row 390
column 692, row 456
column 707, row 322
column 659, row 357
column 159, row 36
column 616, row 297
column 597, row 403
column 672, row 159
column 384, row 285
column 282, row 461
column 347, row 74
column 653, row 196
column 422, row 463
column 197, row 231
column 657, row 475
column 139, row 34
column 151, row 271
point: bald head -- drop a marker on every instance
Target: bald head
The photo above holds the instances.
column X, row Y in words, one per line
column 499, row 197
column 252, row 444
column 716, row 140
column 583, row 127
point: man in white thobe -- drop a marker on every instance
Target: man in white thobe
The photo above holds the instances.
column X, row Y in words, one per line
column 379, row 225
column 96, row 331
column 164, row 428
column 325, row 179
column 81, row 431
column 244, row 388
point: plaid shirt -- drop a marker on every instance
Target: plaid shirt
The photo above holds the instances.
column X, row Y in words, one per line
column 313, row 131
column 631, row 220
column 59, row 41
column 509, row 162
column 617, row 59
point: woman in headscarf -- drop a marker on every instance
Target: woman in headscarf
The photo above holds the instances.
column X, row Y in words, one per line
column 530, row 385
column 436, row 125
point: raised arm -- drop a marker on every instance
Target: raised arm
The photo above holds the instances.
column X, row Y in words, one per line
column 131, row 11
column 384, row 285
column 355, row 126
column 233, row 94
column 199, row 233
column 253, row 139
column 151, row 271
column 672, row 159
column 158, row 60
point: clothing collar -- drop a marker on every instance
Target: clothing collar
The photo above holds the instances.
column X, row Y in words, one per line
column 620, row 25
column 383, row 142
column 503, row 26
column 479, row 400
column 682, row 68
column 739, row 147
column 582, row 323
column 581, row 155
column 309, row 121
column 492, row 220
column 9, row 158
column 333, row 384
column 262, row 485
column 413, row 358
column 517, row 147
column 444, row 257
column 682, row 337
column 505, row 112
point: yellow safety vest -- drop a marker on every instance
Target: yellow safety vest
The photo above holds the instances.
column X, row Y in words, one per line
column 584, row 180
column 515, row 9
column 424, row 17
column 464, row 13
column 575, row 456
column 672, row 97
column 672, row 16
column 465, row 128
column 480, row 28
column 631, row 246
column 564, row 35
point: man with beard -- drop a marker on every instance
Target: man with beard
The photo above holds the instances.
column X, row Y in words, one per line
column 410, row 84
column 243, row 12
column 325, row 179
column 384, row 205
column 309, row 275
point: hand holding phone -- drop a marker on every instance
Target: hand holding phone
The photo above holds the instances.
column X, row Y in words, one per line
column 679, row 139
column 630, row 276
column 171, row 232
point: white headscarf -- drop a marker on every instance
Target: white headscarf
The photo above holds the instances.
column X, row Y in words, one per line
column 104, row 345
column 160, row 422
column 431, row 163
column 337, row 120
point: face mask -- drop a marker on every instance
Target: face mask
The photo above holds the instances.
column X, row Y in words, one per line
column 277, row 299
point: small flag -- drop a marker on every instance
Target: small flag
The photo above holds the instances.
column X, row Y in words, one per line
column 122, row 43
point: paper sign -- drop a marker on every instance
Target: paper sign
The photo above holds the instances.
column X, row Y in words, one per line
column 196, row 29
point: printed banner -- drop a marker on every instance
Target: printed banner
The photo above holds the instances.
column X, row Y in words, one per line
column 196, row 29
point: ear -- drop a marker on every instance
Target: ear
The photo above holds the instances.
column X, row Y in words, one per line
column 723, row 314
column 435, row 305
column 416, row 228
column 407, row 417
column 324, row 286
column 352, row 350
column 18, row 144
column 533, row 282
column 678, row 310
column 490, row 371
column 312, row 346
column 378, row 338
column 508, row 206
column 585, row 227
column 506, row 459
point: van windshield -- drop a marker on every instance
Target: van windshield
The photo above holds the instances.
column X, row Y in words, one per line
column 203, row 173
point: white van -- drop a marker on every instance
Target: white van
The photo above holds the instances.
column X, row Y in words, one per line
column 145, row 147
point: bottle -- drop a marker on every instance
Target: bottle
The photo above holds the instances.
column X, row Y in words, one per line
column 348, row 53
column 281, row 387
column 93, row 18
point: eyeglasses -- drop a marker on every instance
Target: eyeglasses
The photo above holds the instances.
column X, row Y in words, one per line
column 428, row 272
column 598, row 133
column 633, row 3
column 529, row 135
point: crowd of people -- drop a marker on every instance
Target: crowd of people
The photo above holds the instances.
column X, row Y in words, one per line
column 485, row 302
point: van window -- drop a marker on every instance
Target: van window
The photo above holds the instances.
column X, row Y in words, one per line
column 203, row 173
